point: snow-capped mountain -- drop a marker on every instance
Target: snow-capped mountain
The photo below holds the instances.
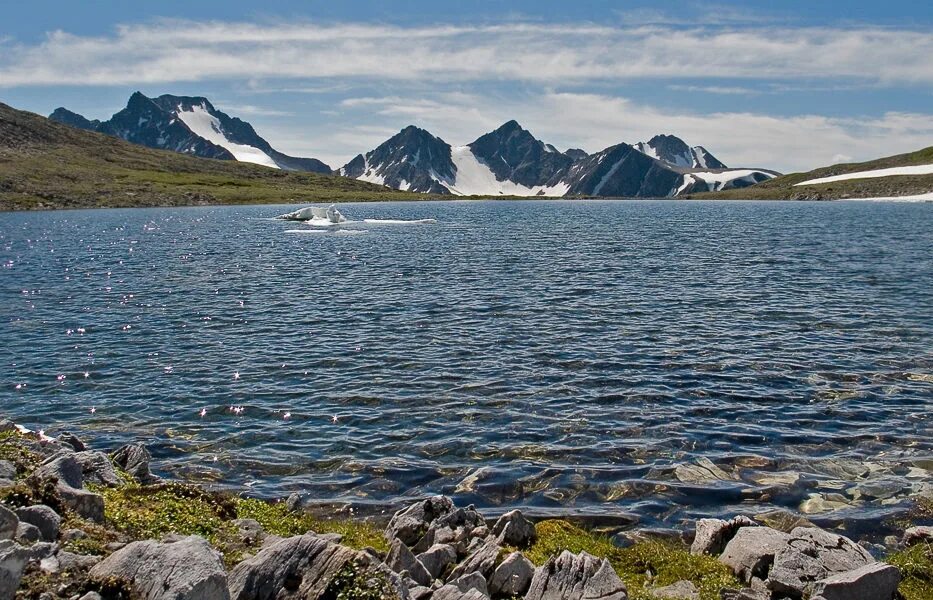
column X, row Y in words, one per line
column 511, row 161
column 674, row 151
column 412, row 159
column 190, row 125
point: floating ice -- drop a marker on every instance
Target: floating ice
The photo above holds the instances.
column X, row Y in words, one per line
column 316, row 215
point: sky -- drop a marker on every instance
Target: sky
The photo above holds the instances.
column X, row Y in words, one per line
column 788, row 85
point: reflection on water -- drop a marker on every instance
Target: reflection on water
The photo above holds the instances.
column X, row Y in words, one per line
column 639, row 360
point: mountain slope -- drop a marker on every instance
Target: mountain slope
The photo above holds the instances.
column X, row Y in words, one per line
column 513, row 154
column 788, row 187
column 674, row 151
column 45, row 164
column 412, row 160
column 190, row 125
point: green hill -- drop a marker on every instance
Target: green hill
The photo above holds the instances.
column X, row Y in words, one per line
column 47, row 165
column 784, row 188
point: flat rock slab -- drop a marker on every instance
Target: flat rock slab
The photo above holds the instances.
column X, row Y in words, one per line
column 681, row 590
column 877, row 581
column 188, row 569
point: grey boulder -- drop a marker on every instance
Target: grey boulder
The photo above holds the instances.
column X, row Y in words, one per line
column 8, row 523
column 680, row 590
column 751, row 552
column 437, row 558
column 96, row 468
column 301, row 566
column 13, row 561
column 410, row 524
column 812, row 554
column 27, row 533
column 69, row 475
column 188, row 569
column 400, row 559
column 467, row 587
column 512, row 577
column 43, row 518
column 482, row 561
column 7, row 470
column 712, row 535
column 916, row 535
column 135, row 459
column 576, row 577
column 877, row 581
column 513, row 529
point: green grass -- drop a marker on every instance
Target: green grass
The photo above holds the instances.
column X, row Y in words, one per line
column 277, row 520
column 916, row 566
column 784, row 188
column 643, row 566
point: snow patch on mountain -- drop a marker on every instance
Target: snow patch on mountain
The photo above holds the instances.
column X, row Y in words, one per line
column 475, row 178
column 893, row 171
column 716, row 181
column 204, row 124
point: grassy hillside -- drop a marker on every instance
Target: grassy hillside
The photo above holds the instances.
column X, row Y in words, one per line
column 783, row 188
column 46, row 165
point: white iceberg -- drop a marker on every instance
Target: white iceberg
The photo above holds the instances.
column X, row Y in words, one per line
column 315, row 215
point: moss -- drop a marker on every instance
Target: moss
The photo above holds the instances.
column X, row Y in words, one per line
column 355, row 582
column 29, row 492
column 916, row 566
column 153, row 511
column 15, row 451
column 278, row 520
column 642, row 566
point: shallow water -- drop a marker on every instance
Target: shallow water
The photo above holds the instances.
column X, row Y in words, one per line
column 565, row 357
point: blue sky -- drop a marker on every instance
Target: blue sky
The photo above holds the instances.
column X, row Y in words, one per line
column 790, row 85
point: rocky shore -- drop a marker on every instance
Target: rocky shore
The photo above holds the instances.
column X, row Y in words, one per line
column 79, row 524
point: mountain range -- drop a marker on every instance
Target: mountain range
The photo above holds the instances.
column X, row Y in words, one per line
column 509, row 161
column 190, row 125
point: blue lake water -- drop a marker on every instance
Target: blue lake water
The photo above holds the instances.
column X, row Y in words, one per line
column 566, row 357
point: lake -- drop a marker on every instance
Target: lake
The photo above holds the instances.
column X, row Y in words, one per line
column 633, row 361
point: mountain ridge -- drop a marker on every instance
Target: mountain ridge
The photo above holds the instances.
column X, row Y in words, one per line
column 189, row 125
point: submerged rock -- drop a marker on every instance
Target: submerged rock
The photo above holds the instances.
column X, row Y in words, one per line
column 189, row 569
column 704, row 471
column 576, row 577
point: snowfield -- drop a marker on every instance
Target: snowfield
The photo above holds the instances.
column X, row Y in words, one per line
column 716, row 181
column 915, row 170
column 918, row 198
column 474, row 178
column 206, row 125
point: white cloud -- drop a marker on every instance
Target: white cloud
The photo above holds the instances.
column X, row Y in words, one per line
column 175, row 51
